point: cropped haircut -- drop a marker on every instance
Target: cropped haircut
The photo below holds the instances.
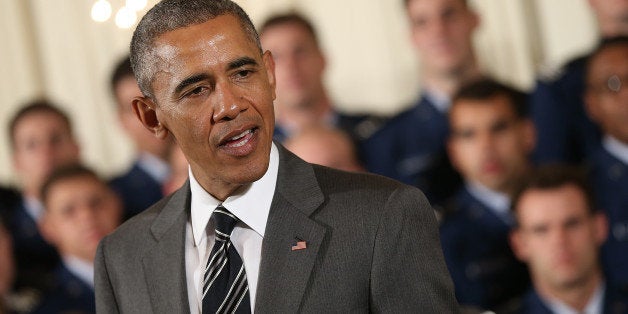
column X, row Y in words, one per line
column 169, row 15
column 606, row 43
column 122, row 70
column 407, row 2
column 486, row 88
column 551, row 177
column 64, row 173
column 289, row 18
column 36, row 107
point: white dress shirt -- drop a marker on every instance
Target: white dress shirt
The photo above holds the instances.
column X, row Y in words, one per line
column 154, row 166
column 497, row 202
column 251, row 206
column 616, row 148
column 595, row 305
column 82, row 269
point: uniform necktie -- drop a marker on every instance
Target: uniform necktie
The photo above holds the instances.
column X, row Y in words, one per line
column 225, row 288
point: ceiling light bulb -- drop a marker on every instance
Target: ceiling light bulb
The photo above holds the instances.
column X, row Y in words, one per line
column 125, row 18
column 101, row 11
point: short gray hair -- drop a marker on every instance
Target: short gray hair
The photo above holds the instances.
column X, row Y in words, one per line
column 169, row 15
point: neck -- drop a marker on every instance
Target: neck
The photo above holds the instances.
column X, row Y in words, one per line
column 295, row 118
column 613, row 27
column 448, row 82
column 575, row 295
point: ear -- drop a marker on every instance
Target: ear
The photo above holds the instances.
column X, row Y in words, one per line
column 517, row 243
column 269, row 64
column 452, row 152
column 144, row 109
column 601, row 228
column 47, row 229
column 529, row 135
column 590, row 102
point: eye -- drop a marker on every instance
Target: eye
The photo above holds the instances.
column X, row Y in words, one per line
column 243, row 73
column 196, row 91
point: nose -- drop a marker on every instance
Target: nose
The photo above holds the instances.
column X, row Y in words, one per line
column 228, row 102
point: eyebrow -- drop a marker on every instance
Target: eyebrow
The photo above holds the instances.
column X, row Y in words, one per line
column 189, row 81
column 240, row 62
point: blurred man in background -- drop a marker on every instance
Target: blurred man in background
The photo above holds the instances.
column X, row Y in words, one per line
column 41, row 141
column 557, row 103
column 607, row 103
column 490, row 142
column 558, row 234
column 325, row 146
column 142, row 184
column 411, row 147
column 80, row 210
column 300, row 64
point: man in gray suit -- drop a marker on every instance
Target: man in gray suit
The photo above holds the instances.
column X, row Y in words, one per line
column 255, row 229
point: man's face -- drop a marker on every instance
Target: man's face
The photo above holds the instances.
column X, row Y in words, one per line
column 488, row 143
column 558, row 237
column 608, row 107
column 441, row 33
column 299, row 64
column 610, row 9
column 126, row 90
column 80, row 211
column 214, row 92
column 42, row 143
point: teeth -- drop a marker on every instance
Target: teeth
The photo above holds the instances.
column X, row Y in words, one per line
column 241, row 135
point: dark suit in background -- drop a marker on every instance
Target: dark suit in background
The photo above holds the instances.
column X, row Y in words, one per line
column 67, row 294
column 138, row 190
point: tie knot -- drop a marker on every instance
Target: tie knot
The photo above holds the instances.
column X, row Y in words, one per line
column 225, row 222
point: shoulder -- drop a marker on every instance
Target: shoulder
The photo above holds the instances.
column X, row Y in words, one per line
column 67, row 294
column 134, row 233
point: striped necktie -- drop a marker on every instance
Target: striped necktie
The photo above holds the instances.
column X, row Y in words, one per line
column 225, row 288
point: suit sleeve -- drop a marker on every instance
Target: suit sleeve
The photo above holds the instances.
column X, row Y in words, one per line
column 408, row 272
column 105, row 297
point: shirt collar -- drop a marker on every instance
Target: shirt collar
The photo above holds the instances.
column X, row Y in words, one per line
column 80, row 268
column 154, row 166
column 498, row 202
column 616, row 148
column 33, row 207
column 441, row 101
column 595, row 304
column 251, row 206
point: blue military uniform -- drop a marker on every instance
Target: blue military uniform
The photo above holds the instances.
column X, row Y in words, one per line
column 475, row 244
column 411, row 148
column 35, row 258
column 614, row 303
column 566, row 134
column 137, row 189
column 610, row 182
column 68, row 294
column 358, row 127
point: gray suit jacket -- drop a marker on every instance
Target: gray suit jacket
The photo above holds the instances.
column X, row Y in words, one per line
column 372, row 246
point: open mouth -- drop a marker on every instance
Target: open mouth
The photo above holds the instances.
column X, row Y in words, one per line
column 240, row 139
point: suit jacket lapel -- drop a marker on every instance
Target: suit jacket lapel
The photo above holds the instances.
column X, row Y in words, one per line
column 164, row 262
column 284, row 273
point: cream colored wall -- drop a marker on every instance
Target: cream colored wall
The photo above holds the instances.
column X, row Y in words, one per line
column 53, row 49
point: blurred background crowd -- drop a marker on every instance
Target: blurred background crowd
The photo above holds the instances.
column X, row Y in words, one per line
column 511, row 116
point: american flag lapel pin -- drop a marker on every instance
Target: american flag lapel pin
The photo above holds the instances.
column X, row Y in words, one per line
column 300, row 245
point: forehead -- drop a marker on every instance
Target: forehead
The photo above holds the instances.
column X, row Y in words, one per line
column 610, row 60
column 35, row 120
column 472, row 110
column 538, row 205
column 429, row 7
column 292, row 28
column 65, row 189
column 218, row 40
